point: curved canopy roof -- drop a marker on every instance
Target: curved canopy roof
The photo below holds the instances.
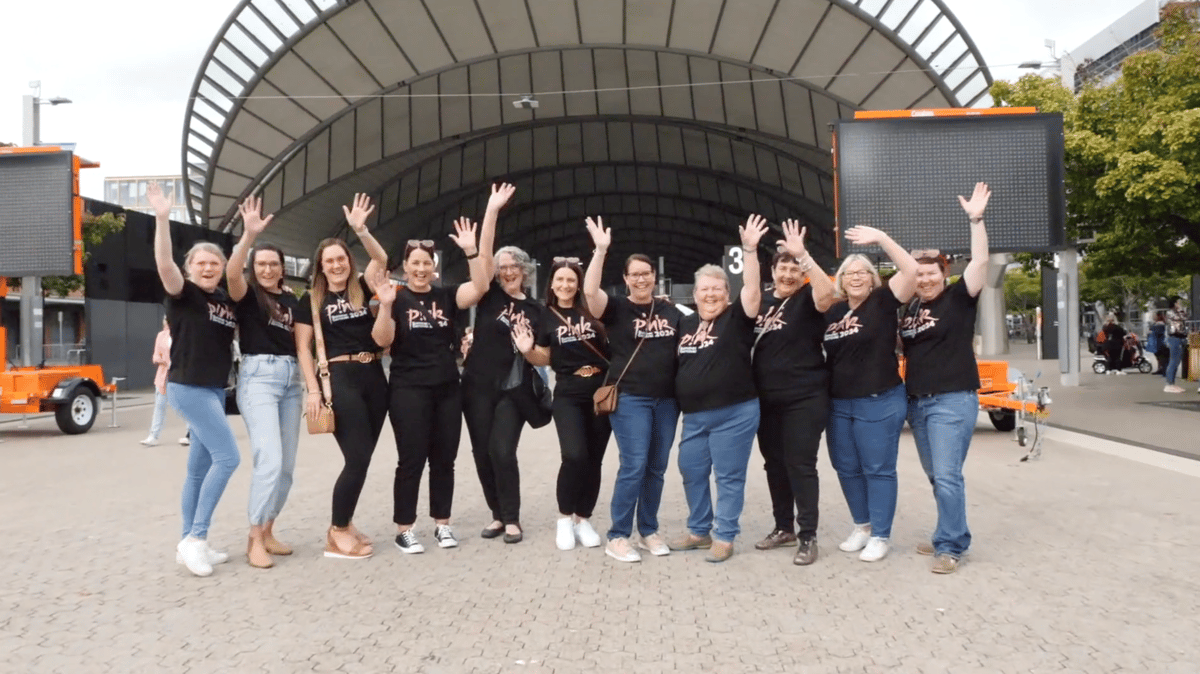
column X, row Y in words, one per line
column 671, row 118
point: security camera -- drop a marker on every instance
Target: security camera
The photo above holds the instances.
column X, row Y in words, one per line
column 526, row 102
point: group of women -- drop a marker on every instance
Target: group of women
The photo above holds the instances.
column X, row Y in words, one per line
column 814, row 354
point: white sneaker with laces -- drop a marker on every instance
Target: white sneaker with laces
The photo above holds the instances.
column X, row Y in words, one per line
column 150, row 441
column 620, row 550
column 857, row 538
column 1171, row 388
column 586, row 535
column 877, row 549
column 194, row 552
column 654, row 544
column 445, row 536
column 215, row 557
column 564, row 537
column 408, row 543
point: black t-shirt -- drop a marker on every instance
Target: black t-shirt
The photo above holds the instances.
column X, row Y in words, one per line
column 788, row 360
column 569, row 351
column 492, row 350
column 652, row 373
column 938, row 338
column 202, row 326
column 346, row 329
column 860, row 345
column 425, row 348
column 714, row 360
column 259, row 332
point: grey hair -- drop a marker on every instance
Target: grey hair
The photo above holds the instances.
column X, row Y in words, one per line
column 202, row 247
column 711, row 271
column 523, row 260
column 839, row 288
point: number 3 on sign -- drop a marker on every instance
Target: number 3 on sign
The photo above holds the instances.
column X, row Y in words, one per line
column 736, row 260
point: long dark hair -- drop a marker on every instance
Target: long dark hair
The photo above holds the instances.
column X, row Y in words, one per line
column 579, row 304
column 265, row 297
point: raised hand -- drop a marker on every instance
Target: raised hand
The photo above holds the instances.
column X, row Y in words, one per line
column 864, row 235
column 601, row 235
column 978, row 202
column 464, row 235
column 793, row 239
column 386, row 292
column 357, row 214
column 501, row 193
column 158, row 201
column 252, row 219
column 752, row 231
column 522, row 338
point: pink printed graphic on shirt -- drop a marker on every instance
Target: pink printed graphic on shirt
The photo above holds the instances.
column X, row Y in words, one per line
column 425, row 320
column 575, row 331
column 914, row 325
column 771, row 321
column 222, row 314
column 699, row 340
column 658, row 326
column 849, row 325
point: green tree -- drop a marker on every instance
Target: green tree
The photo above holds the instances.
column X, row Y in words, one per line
column 94, row 229
column 1127, row 294
column 1022, row 292
column 1133, row 154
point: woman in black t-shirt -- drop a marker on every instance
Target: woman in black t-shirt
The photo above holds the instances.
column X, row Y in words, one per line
column 1114, row 343
column 202, row 321
column 359, row 387
column 793, row 391
column 493, row 416
column 270, row 395
column 642, row 333
column 868, row 402
column 715, row 387
column 573, row 343
column 942, row 378
column 419, row 323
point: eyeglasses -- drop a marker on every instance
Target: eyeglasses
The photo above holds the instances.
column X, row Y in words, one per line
column 857, row 272
column 640, row 274
column 509, row 267
column 931, row 253
column 267, row 263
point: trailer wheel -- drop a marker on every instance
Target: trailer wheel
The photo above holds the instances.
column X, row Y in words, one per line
column 1145, row 367
column 1003, row 420
column 78, row 413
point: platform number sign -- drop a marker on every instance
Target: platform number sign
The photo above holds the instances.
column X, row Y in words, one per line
column 734, row 263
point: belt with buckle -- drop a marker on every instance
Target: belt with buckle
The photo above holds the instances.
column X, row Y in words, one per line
column 360, row 357
column 587, row 371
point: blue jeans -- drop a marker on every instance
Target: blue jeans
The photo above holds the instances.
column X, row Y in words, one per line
column 645, row 430
column 1176, row 345
column 271, row 400
column 717, row 442
column 864, row 439
column 212, row 457
column 942, row 427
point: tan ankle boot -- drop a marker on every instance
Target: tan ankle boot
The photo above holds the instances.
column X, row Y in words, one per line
column 272, row 544
column 256, row 552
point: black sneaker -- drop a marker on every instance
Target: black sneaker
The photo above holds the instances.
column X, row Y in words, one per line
column 408, row 543
column 445, row 536
column 807, row 552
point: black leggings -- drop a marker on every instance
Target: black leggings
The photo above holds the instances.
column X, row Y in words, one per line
column 494, row 424
column 583, row 437
column 789, row 436
column 427, row 421
column 360, row 403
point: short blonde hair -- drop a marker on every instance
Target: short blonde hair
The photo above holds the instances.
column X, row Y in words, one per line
column 838, row 286
column 202, row 247
column 711, row 271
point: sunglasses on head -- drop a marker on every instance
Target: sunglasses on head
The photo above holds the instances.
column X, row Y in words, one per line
column 427, row 244
column 566, row 260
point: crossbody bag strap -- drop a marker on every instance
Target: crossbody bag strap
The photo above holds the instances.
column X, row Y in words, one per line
column 585, row 342
column 635, row 350
column 322, row 361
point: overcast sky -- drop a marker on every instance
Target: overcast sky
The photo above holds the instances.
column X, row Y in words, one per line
column 128, row 65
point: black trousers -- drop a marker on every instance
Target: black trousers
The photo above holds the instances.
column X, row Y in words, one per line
column 427, row 422
column 789, row 436
column 494, row 425
column 582, row 438
column 360, row 404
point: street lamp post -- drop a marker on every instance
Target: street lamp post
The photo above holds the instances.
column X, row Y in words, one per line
column 31, row 286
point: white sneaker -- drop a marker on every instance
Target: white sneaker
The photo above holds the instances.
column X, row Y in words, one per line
column 445, row 536
column 150, row 441
column 1171, row 388
column 857, row 539
column 654, row 544
column 586, row 535
column 564, row 538
column 620, row 550
column 194, row 552
column 215, row 557
column 877, row 549
column 185, row 441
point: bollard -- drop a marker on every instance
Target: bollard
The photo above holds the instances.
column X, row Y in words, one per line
column 24, row 421
column 113, row 423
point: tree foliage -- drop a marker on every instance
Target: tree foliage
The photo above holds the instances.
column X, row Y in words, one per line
column 1132, row 154
column 1022, row 291
column 94, row 229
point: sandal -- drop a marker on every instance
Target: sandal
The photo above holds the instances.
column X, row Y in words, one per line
column 362, row 538
column 358, row 551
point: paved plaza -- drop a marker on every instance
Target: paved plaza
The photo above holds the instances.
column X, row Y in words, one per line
column 1082, row 562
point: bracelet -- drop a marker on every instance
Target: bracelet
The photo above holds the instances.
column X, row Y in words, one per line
column 806, row 264
column 749, row 250
column 474, row 255
column 976, row 220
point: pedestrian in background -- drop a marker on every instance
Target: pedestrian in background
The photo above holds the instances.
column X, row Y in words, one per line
column 162, row 358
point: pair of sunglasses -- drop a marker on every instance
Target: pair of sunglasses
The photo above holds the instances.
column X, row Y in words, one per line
column 427, row 244
column 566, row 260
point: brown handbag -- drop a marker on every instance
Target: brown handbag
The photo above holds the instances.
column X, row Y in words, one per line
column 324, row 421
column 604, row 400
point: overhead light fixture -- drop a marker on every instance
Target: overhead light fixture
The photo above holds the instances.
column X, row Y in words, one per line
column 58, row 100
column 527, row 101
column 1030, row 64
